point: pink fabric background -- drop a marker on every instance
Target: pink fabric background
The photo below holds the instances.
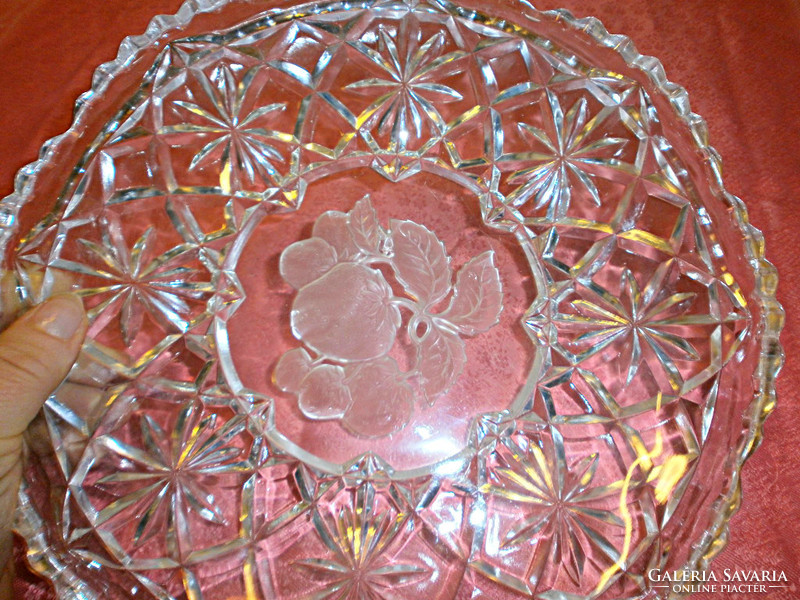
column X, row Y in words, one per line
column 739, row 62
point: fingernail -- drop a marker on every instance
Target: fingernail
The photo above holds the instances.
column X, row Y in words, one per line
column 60, row 316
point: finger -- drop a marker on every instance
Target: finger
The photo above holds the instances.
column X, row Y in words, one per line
column 36, row 353
column 18, row 290
column 9, row 299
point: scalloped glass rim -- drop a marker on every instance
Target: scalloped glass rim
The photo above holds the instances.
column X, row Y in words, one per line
column 47, row 563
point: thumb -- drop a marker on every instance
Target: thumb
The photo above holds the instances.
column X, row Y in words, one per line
column 36, row 353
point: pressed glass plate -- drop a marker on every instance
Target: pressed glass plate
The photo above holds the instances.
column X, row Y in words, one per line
column 389, row 300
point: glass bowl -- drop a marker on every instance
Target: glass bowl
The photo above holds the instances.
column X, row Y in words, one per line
column 389, row 300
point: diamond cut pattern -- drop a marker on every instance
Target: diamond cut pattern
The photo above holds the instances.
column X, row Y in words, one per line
column 634, row 321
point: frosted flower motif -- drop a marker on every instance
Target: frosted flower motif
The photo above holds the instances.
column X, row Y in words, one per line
column 347, row 316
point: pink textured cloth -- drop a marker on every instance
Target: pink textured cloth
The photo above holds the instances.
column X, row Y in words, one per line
column 738, row 61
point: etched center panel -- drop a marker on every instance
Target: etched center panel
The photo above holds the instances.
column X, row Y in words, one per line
column 348, row 315
column 384, row 318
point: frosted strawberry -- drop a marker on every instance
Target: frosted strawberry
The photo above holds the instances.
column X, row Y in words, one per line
column 307, row 260
column 347, row 314
column 382, row 401
column 292, row 367
column 323, row 393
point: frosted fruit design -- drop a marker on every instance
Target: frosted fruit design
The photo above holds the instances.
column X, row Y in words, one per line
column 350, row 319
column 299, row 397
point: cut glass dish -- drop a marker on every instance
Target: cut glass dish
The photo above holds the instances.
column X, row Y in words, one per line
column 389, row 300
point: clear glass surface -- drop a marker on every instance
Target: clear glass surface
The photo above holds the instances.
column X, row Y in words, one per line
column 389, row 300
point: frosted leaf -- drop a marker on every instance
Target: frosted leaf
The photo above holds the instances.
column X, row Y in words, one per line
column 307, row 260
column 364, row 226
column 333, row 227
column 346, row 314
column 477, row 297
column 323, row 393
column 292, row 367
column 382, row 402
column 440, row 361
column 420, row 262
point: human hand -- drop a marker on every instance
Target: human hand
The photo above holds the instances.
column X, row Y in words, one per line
column 36, row 353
